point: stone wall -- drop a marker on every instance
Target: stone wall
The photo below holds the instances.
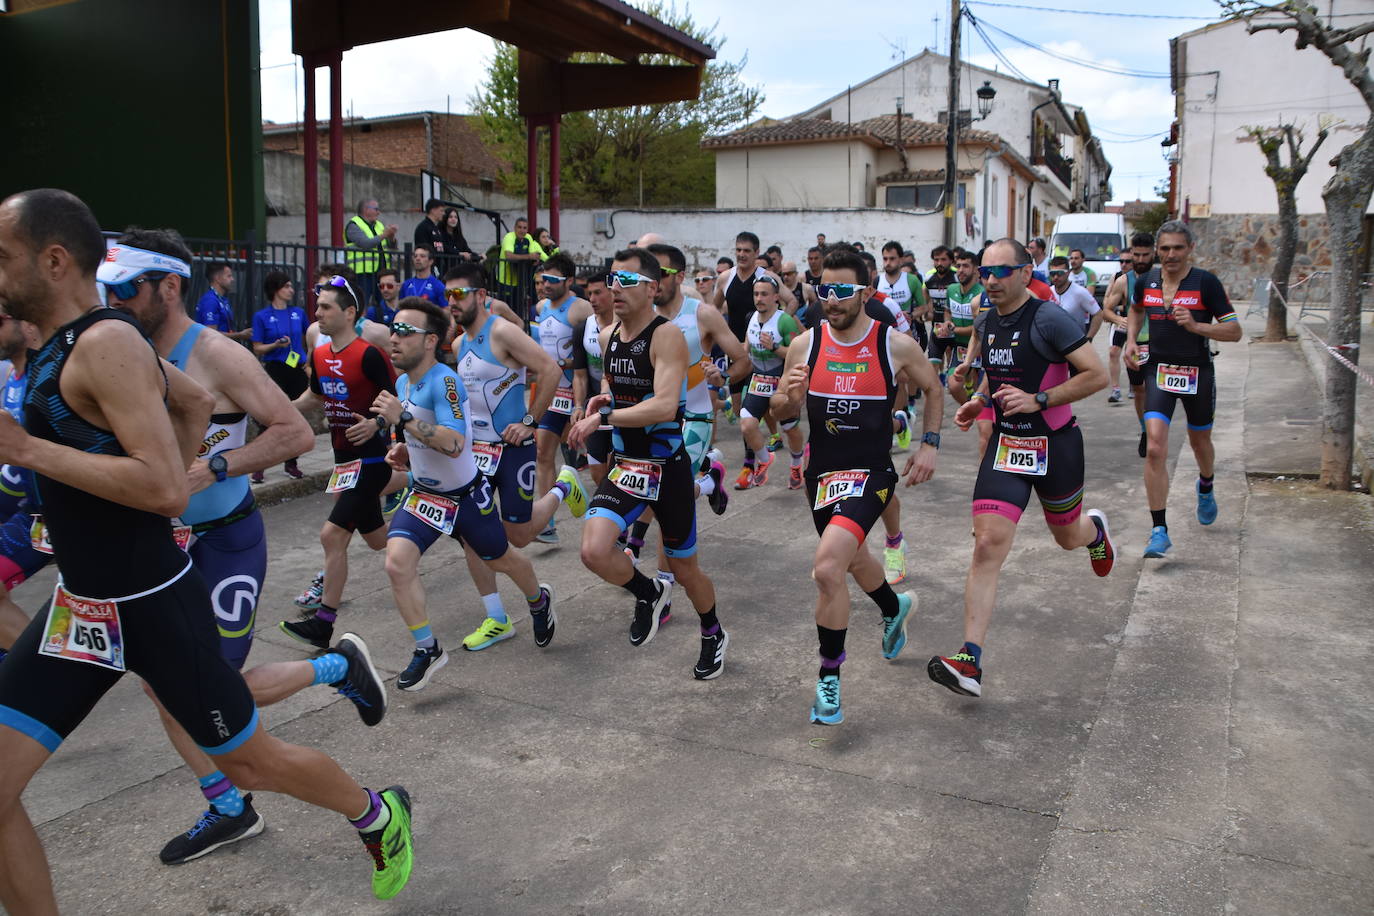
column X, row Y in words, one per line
column 1240, row 248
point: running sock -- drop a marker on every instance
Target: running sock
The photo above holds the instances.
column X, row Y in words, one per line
column 667, row 577
column 494, row 608
column 638, row 531
column 329, row 668
column 706, row 484
column 539, row 604
column 1204, row 484
column 710, row 626
column 327, row 614
column 641, row 586
column 424, row 636
column 1157, row 518
column 972, row 648
column 748, row 457
column 895, row 541
column 886, row 600
column 797, row 459
column 831, row 649
column 560, row 489
column 375, row 818
column 222, row 794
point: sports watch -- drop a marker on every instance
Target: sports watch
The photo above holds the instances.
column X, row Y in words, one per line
column 528, row 420
column 605, row 411
column 406, row 417
column 1043, row 399
column 931, row 439
column 219, row 465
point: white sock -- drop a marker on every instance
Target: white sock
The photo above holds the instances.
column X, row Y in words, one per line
column 667, row 577
column 495, row 609
column 706, row 484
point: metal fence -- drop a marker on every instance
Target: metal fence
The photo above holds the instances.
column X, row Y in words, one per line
column 251, row 262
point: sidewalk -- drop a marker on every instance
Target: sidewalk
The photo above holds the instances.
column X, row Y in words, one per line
column 1188, row 736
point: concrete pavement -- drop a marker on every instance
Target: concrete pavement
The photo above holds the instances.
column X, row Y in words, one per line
column 1190, row 735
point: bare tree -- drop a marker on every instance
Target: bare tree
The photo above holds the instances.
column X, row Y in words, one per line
column 1272, row 141
column 1346, row 195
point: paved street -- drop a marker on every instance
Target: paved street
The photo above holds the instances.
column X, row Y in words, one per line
column 1188, row 736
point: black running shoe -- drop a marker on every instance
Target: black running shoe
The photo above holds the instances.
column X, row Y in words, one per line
column 423, row 665
column 212, row 831
column 719, row 499
column 546, row 621
column 361, row 684
column 310, row 630
column 712, row 660
column 645, row 624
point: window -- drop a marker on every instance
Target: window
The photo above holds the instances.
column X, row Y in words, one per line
column 920, row 196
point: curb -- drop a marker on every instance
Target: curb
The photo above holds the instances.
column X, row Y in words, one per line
column 1364, row 444
column 280, row 491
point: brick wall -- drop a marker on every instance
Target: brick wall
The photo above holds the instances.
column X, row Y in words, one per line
column 457, row 154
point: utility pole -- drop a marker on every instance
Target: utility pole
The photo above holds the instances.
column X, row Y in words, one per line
column 952, row 130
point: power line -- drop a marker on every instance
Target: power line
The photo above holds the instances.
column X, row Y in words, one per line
column 1091, row 65
column 1047, row 9
column 996, row 51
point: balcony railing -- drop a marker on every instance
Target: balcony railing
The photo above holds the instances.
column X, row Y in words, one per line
column 1049, row 156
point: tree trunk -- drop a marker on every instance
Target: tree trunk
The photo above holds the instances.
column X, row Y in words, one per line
column 1346, row 196
column 1276, row 328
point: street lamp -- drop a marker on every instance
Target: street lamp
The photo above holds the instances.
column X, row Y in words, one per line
column 985, row 96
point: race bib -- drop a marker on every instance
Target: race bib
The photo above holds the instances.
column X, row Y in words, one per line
column 38, row 536
column 182, row 535
column 838, row 485
column 562, row 402
column 435, row 511
column 345, row 476
column 487, row 455
column 83, row 630
column 638, row 478
column 763, row 385
column 1029, row 455
column 1176, row 379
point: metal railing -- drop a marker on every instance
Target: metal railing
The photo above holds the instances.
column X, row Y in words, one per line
column 252, row 260
column 1051, row 158
column 1310, row 293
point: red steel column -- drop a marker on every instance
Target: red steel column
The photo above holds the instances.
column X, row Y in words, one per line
column 311, row 155
column 336, row 153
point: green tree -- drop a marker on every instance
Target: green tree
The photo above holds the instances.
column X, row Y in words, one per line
column 649, row 154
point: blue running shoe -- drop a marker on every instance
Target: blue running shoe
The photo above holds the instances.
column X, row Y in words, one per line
column 894, row 628
column 1206, row 507
column 1159, row 543
column 826, row 710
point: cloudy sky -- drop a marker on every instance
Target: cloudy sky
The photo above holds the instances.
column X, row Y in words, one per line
column 815, row 51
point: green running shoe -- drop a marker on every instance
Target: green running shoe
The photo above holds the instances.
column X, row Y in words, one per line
column 392, row 847
column 894, row 628
column 904, row 437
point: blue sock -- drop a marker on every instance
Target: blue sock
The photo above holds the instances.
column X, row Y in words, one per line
column 972, row 648
column 329, row 668
column 221, row 793
column 424, row 636
column 494, row 608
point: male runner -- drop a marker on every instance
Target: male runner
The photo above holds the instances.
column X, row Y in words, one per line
column 1027, row 346
column 1187, row 308
column 493, row 357
column 374, row 332
column 905, row 290
column 222, row 525
column 1084, row 277
column 770, row 333
column 560, row 313
column 847, row 371
column 18, row 558
column 734, row 294
column 110, row 458
column 646, row 373
column 347, row 375
column 1074, row 299
column 938, row 281
column 449, row 495
column 587, row 369
column 389, row 293
column 961, row 300
column 1119, row 297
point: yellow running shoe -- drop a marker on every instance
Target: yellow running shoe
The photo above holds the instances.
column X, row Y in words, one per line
column 489, row 633
column 577, row 495
column 894, row 563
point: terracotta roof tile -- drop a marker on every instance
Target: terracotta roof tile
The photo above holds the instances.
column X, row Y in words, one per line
column 881, row 130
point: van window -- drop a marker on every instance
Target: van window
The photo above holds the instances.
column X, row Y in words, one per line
column 1096, row 246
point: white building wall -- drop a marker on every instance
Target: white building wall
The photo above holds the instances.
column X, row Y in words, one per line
column 1264, row 81
column 796, row 175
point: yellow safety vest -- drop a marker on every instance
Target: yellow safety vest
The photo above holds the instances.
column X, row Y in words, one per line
column 364, row 262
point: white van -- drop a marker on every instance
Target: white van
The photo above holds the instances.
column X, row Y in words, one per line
column 1100, row 236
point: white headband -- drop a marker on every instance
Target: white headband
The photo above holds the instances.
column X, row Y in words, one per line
column 124, row 262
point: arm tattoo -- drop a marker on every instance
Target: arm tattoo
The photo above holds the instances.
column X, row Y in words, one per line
column 426, row 430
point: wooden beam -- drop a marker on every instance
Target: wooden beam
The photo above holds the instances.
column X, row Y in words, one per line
column 326, row 25
column 551, row 87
